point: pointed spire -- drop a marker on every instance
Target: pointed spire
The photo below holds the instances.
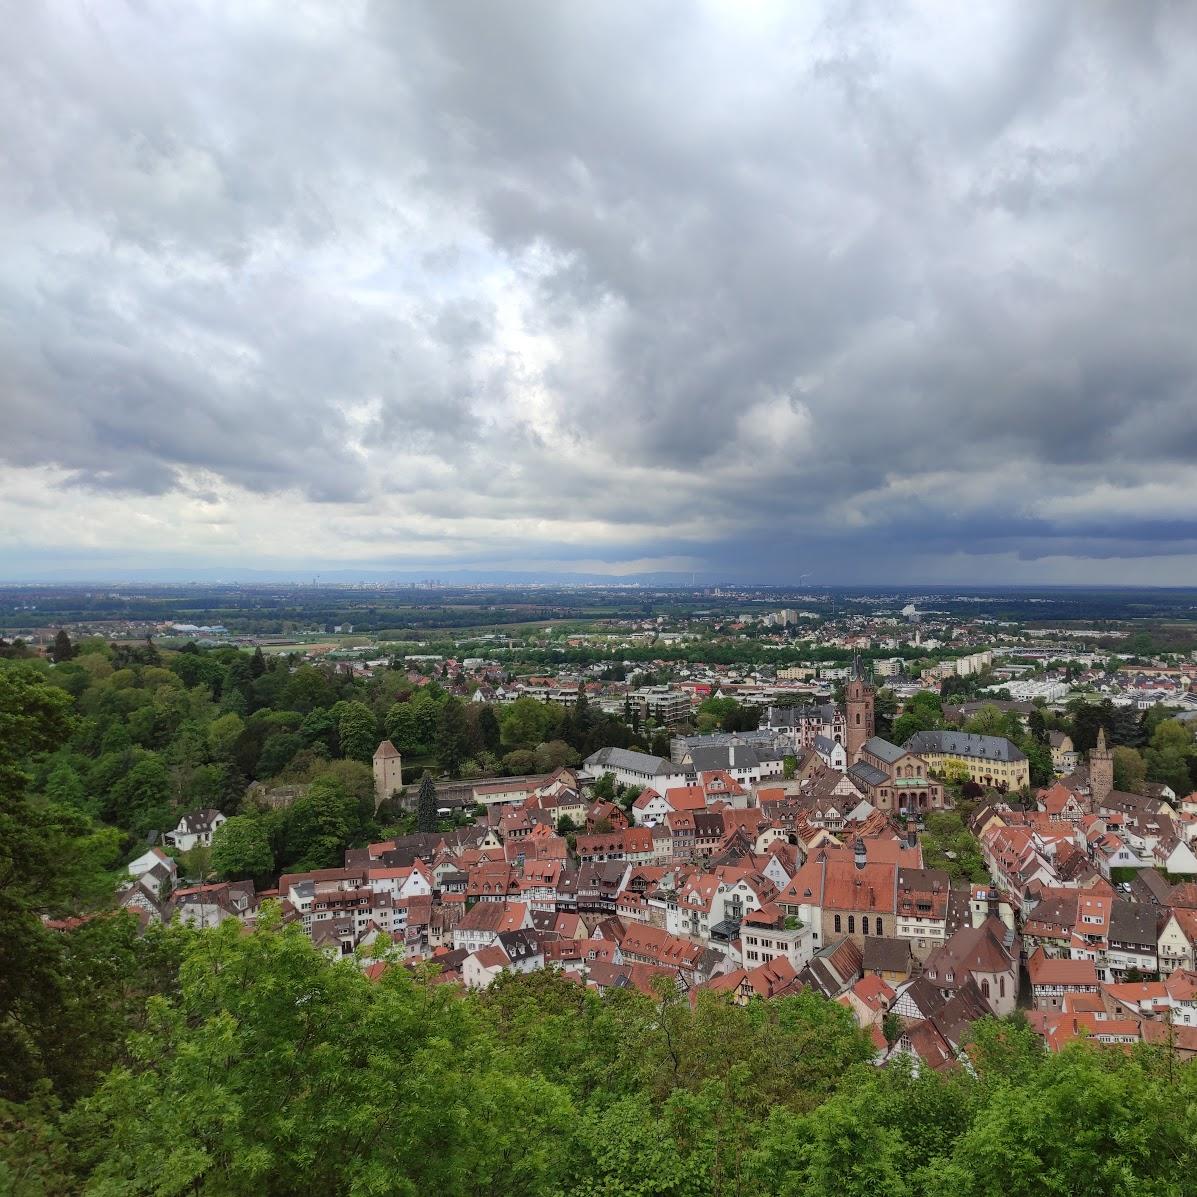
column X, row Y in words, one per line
column 1101, row 739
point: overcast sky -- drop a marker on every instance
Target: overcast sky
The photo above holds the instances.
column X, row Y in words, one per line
column 864, row 291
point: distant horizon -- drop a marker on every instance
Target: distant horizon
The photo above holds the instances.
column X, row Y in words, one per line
column 515, row 579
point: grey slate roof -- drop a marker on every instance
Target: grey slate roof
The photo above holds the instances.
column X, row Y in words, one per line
column 886, row 954
column 954, row 743
column 867, row 774
column 794, row 716
column 635, row 762
column 734, row 756
column 762, row 738
column 883, row 750
column 1133, row 922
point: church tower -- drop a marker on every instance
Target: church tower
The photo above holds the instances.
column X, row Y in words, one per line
column 1101, row 769
column 859, row 702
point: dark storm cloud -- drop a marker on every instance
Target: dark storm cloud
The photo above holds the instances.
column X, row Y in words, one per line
column 860, row 284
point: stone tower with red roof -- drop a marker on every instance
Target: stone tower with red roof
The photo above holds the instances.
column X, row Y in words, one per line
column 388, row 772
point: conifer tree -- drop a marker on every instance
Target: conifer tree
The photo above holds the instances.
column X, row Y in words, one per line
column 426, row 804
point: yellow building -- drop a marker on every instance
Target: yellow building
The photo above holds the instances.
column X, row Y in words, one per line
column 990, row 760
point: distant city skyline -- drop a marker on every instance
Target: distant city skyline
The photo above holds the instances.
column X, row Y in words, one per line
column 862, row 294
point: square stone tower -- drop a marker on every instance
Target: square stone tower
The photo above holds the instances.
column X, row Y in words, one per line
column 388, row 772
column 1101, row 769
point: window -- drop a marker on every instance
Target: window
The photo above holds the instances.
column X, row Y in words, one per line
column 1002, row 986
column 851, row 924
column 864, row 925
column 985, row 987
column 837, row 924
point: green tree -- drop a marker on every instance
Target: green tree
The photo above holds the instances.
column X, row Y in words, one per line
column 401, row 728
column 524, row 722
column 65, row 787
column 320, row 825
column 1037, row 725
column 241, row 849
column 319, row 729
column 488, row 729
column 452, row 737
column 140, row 800
column 1169, row 754
column 1130, row 770
column 604, row 787
column 555, row 754
column 426, row 804
column 425, row 710
column 924, row 712
column 62, row 649
column 357, row 730
column 52, row 861
column 260, row 1014
column 991, row 720
column 1039, row 759
column 223, row 734
column 277, row 753
column 885, row 711
column 519, row 763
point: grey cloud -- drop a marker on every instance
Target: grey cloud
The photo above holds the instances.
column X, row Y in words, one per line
column 286, row 250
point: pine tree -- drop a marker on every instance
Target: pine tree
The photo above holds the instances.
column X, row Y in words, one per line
column 63, row 649
column 452, row 737
column 488, row 729
column 257, row 663
column 583, row 717
column 426, row 804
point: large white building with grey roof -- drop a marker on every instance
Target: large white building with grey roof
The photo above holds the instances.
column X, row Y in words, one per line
column 634, row 768
column 991, row 761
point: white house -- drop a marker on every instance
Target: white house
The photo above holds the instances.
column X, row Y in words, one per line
column 155, row 870
column 400, row 883
column 195, row 829
column 832, row 753
column 634, row 768
column 480, row 969
column 1176, row 856
column 1177, row 941
column 650, row 808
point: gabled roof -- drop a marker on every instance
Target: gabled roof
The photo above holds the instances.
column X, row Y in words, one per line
column 954, row 743
column 886, row 955
column 1133, row 922
column 1047, row 970
column 492, row 956
column 635, row 762
column 883, row 750
column 493, row 916
column 867, row 774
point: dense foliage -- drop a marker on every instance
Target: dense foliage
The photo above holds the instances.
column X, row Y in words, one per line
column 274, row 1072
column 146, row 733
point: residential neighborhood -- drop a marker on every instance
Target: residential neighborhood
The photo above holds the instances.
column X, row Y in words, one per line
column 751, row 866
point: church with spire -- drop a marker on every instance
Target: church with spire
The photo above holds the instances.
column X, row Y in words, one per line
column 859, row 702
